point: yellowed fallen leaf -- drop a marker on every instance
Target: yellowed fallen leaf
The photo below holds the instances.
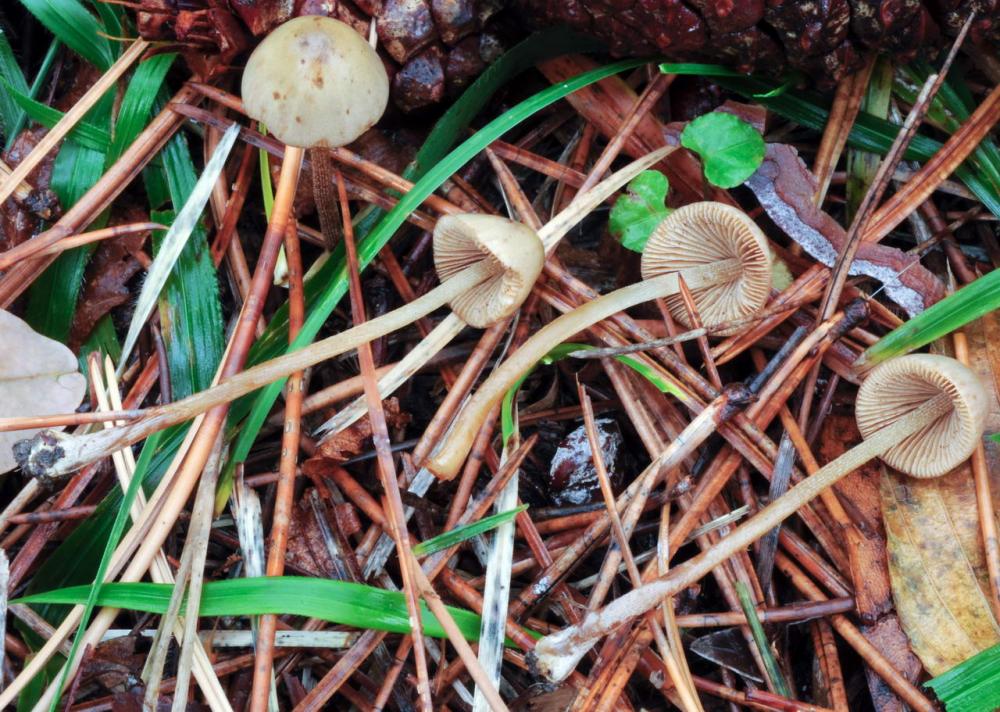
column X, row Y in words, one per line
column 38, row 376
column 936, row 558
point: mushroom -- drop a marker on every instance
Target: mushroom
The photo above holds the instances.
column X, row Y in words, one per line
column 722, row 256
column 317, row 84
column 487, row 265
column 922, row 414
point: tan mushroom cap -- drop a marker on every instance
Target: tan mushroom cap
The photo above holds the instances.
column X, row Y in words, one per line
column 899, row 386
column 514, row 251
column 698, row 235
column 314, row 81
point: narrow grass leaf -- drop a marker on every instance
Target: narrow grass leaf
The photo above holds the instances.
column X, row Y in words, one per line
column 972, row 686
column 52, row 297
column 190, row 310
column 36, row 86
column 464, row 533
column 11, row 73
column 760, row 639
column 340, row 602
column 84, row 133
column 953, row 312
column 334, row 271
column 137, row 103
column 79, row 30
column 175, row 239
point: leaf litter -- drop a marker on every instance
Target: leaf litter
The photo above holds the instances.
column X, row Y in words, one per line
column 919, row 580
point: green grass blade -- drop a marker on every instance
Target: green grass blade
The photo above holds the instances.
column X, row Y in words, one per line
column 953, row 312
column 760, row 639
column 174, row 240
column 463, row 533
column 11, row 73
column 340, row 602
column 137, row 103
column 84, row 133
column 190, row 310
column 335, row 271
column 971, row 686
column 79, row 30
column 36, row 86
column 53, row 296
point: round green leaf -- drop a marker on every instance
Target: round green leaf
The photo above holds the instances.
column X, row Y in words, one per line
column 730, row 148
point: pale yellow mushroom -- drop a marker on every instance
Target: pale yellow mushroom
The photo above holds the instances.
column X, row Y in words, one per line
column 922, row 414
column 726, row 264
column 314, row 83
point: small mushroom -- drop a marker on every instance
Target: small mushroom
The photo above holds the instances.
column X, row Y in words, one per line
column 898, row 387
column 729, row 275
column 487, row 266
column 922, row 414
column 705, row 234
column 314, row 83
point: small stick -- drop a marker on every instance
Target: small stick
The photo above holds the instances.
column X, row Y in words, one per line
column 60, row 420
column 386, row 466
column 792, row 613
column 282, row 516
column 695, row 319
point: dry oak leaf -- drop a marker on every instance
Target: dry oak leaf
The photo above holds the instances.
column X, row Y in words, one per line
column 936, row 560
column 38, row 376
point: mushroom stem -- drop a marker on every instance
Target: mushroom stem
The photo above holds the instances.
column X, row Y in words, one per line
column 327, row 205
column 53, row 454
column 557, row 655
column 448, row 459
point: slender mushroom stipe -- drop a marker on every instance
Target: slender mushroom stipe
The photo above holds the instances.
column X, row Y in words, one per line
column 487, row 265
column 923, row 411
column 727, row 267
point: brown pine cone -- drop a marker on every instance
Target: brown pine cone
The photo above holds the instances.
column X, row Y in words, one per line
column 434, row 48
column 824, row 38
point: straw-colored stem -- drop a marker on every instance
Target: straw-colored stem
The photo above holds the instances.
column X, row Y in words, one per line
column 557, row 655
column 79, row 451
column 447, row 461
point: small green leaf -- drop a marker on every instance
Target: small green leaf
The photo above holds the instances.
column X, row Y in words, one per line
column 460, row 534
column 730, row 148
column 637, row 213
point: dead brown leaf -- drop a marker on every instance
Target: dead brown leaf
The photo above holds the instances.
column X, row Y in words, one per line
column 353, row 441
column 106, row 281
column 38, row 376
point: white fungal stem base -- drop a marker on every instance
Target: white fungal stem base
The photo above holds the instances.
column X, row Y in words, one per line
column 447, row 461
column 557, row 655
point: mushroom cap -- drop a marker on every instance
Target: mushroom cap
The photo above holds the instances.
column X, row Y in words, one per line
column 899, row 386
column 314, row 81
column 514, row 252
column 700, row 234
